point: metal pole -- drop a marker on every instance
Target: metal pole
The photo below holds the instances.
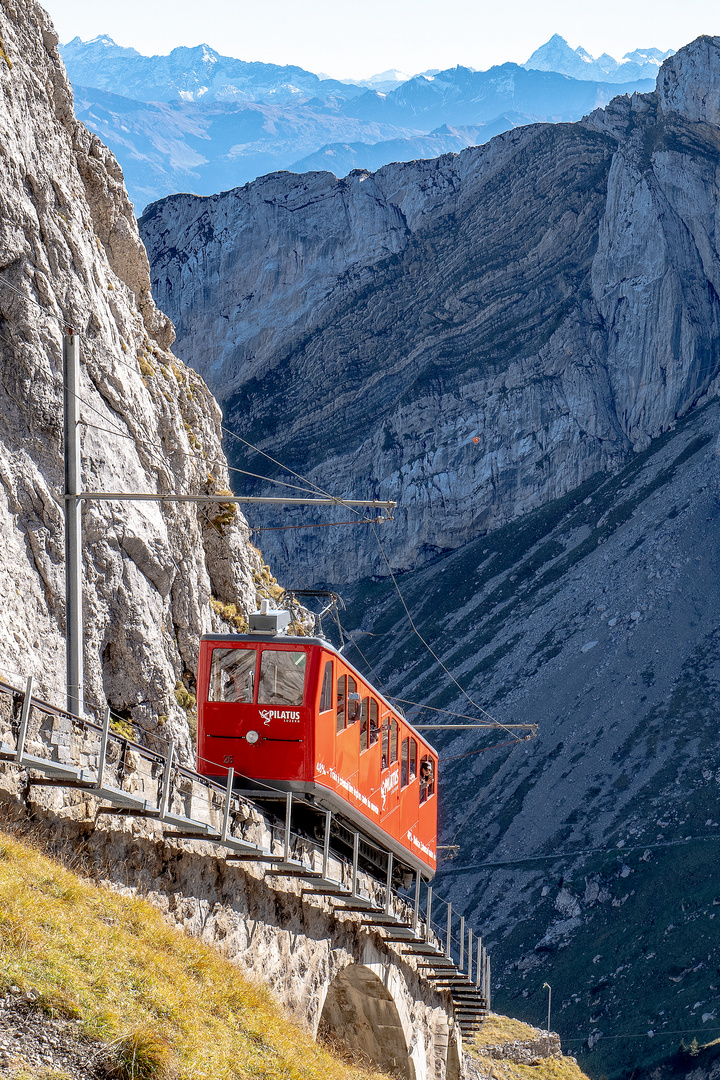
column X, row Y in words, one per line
column 166, row 780
column 273, row 500
column 388, row 883
column 470, row 955
column 448, row 935
column 416, row 913
column 356, row 850
column 326, row 845
column 478, row 968
column 288, row 817
column 461, row 961
column 24, row 720
column 548, row 987
column 228, row 800
column 428, row 914
column 487, row 995
column 73, row 538
column 103, row 748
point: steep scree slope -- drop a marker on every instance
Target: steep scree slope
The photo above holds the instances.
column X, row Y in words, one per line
column 71, row 255
column 474, row 335
column 588, row 855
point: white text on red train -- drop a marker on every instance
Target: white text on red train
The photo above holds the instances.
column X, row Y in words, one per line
column 291, row 715
column 419, row 844
column 388, row 784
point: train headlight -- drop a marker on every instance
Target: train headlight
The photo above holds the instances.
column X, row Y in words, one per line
column 252, row 737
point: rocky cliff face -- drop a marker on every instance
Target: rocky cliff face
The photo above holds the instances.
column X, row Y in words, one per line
column 71, row 256
column 473, row 336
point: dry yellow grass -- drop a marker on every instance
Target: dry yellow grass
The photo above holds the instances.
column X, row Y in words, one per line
column 499, row 1029
column 168, row 1005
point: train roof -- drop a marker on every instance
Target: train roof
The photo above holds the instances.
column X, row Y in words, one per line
column 291, row 639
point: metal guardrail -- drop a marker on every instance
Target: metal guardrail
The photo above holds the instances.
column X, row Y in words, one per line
column 453, row 961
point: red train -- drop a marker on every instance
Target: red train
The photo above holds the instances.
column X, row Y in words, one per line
column 293, row 712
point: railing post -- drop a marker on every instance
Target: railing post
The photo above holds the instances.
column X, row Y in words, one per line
column 487, row 985
column 166, row 780
column 416, row 912
column 448, row 934
column 388, row 883
column 356, row 851
column 288, row 818
column 428, row 913
column 103, row 748
column 461, row 961
column 470, row 955
column 228, row 801
column 24, row 719
column 478, row 970
column 326, row 845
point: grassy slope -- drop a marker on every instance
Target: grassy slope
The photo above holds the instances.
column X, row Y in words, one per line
column 499, row 1029
column 165, row 1001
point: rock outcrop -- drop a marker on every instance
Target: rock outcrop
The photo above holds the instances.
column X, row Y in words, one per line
column 71, row 256
column 473, row 336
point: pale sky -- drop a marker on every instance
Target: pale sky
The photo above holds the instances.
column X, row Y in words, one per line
column 358, row 39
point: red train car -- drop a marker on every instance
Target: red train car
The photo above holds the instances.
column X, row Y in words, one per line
column 293, row 712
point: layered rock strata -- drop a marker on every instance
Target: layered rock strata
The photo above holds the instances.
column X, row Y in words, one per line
column 71, row 256
column 474, row 335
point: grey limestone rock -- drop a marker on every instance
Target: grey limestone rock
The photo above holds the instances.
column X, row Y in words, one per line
column 70, row 255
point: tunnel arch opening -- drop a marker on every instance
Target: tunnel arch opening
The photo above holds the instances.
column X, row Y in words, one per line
column 360, row 1014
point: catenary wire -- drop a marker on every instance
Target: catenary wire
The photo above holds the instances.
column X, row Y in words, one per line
column 427, row 646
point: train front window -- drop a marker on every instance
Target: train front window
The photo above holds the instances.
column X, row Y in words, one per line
column 386, row 745
column 326, row 695
column 413, row 759
column 282, row 677
column 232, row 675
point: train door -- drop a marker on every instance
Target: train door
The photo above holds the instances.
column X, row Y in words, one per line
column 390, row 774
column 427, row 785
column 370, row 748
column 347, row 735
column 325, row 724
column 409, row 785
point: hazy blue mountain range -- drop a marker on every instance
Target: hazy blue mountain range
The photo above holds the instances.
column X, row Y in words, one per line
column 191, row 74
column 556, row 55
column 462, row 96
column 197, row 121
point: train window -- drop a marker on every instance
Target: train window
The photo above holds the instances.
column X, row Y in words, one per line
column 232, row 675
column 413, row 759
column 374, row 731
column 341, row 709
column 326, row 695
column 404, row 754
column 353, row 699
column 364, row 724
column 282, row 677
column 386, row 745
column 427, row 778
column 393, row 741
